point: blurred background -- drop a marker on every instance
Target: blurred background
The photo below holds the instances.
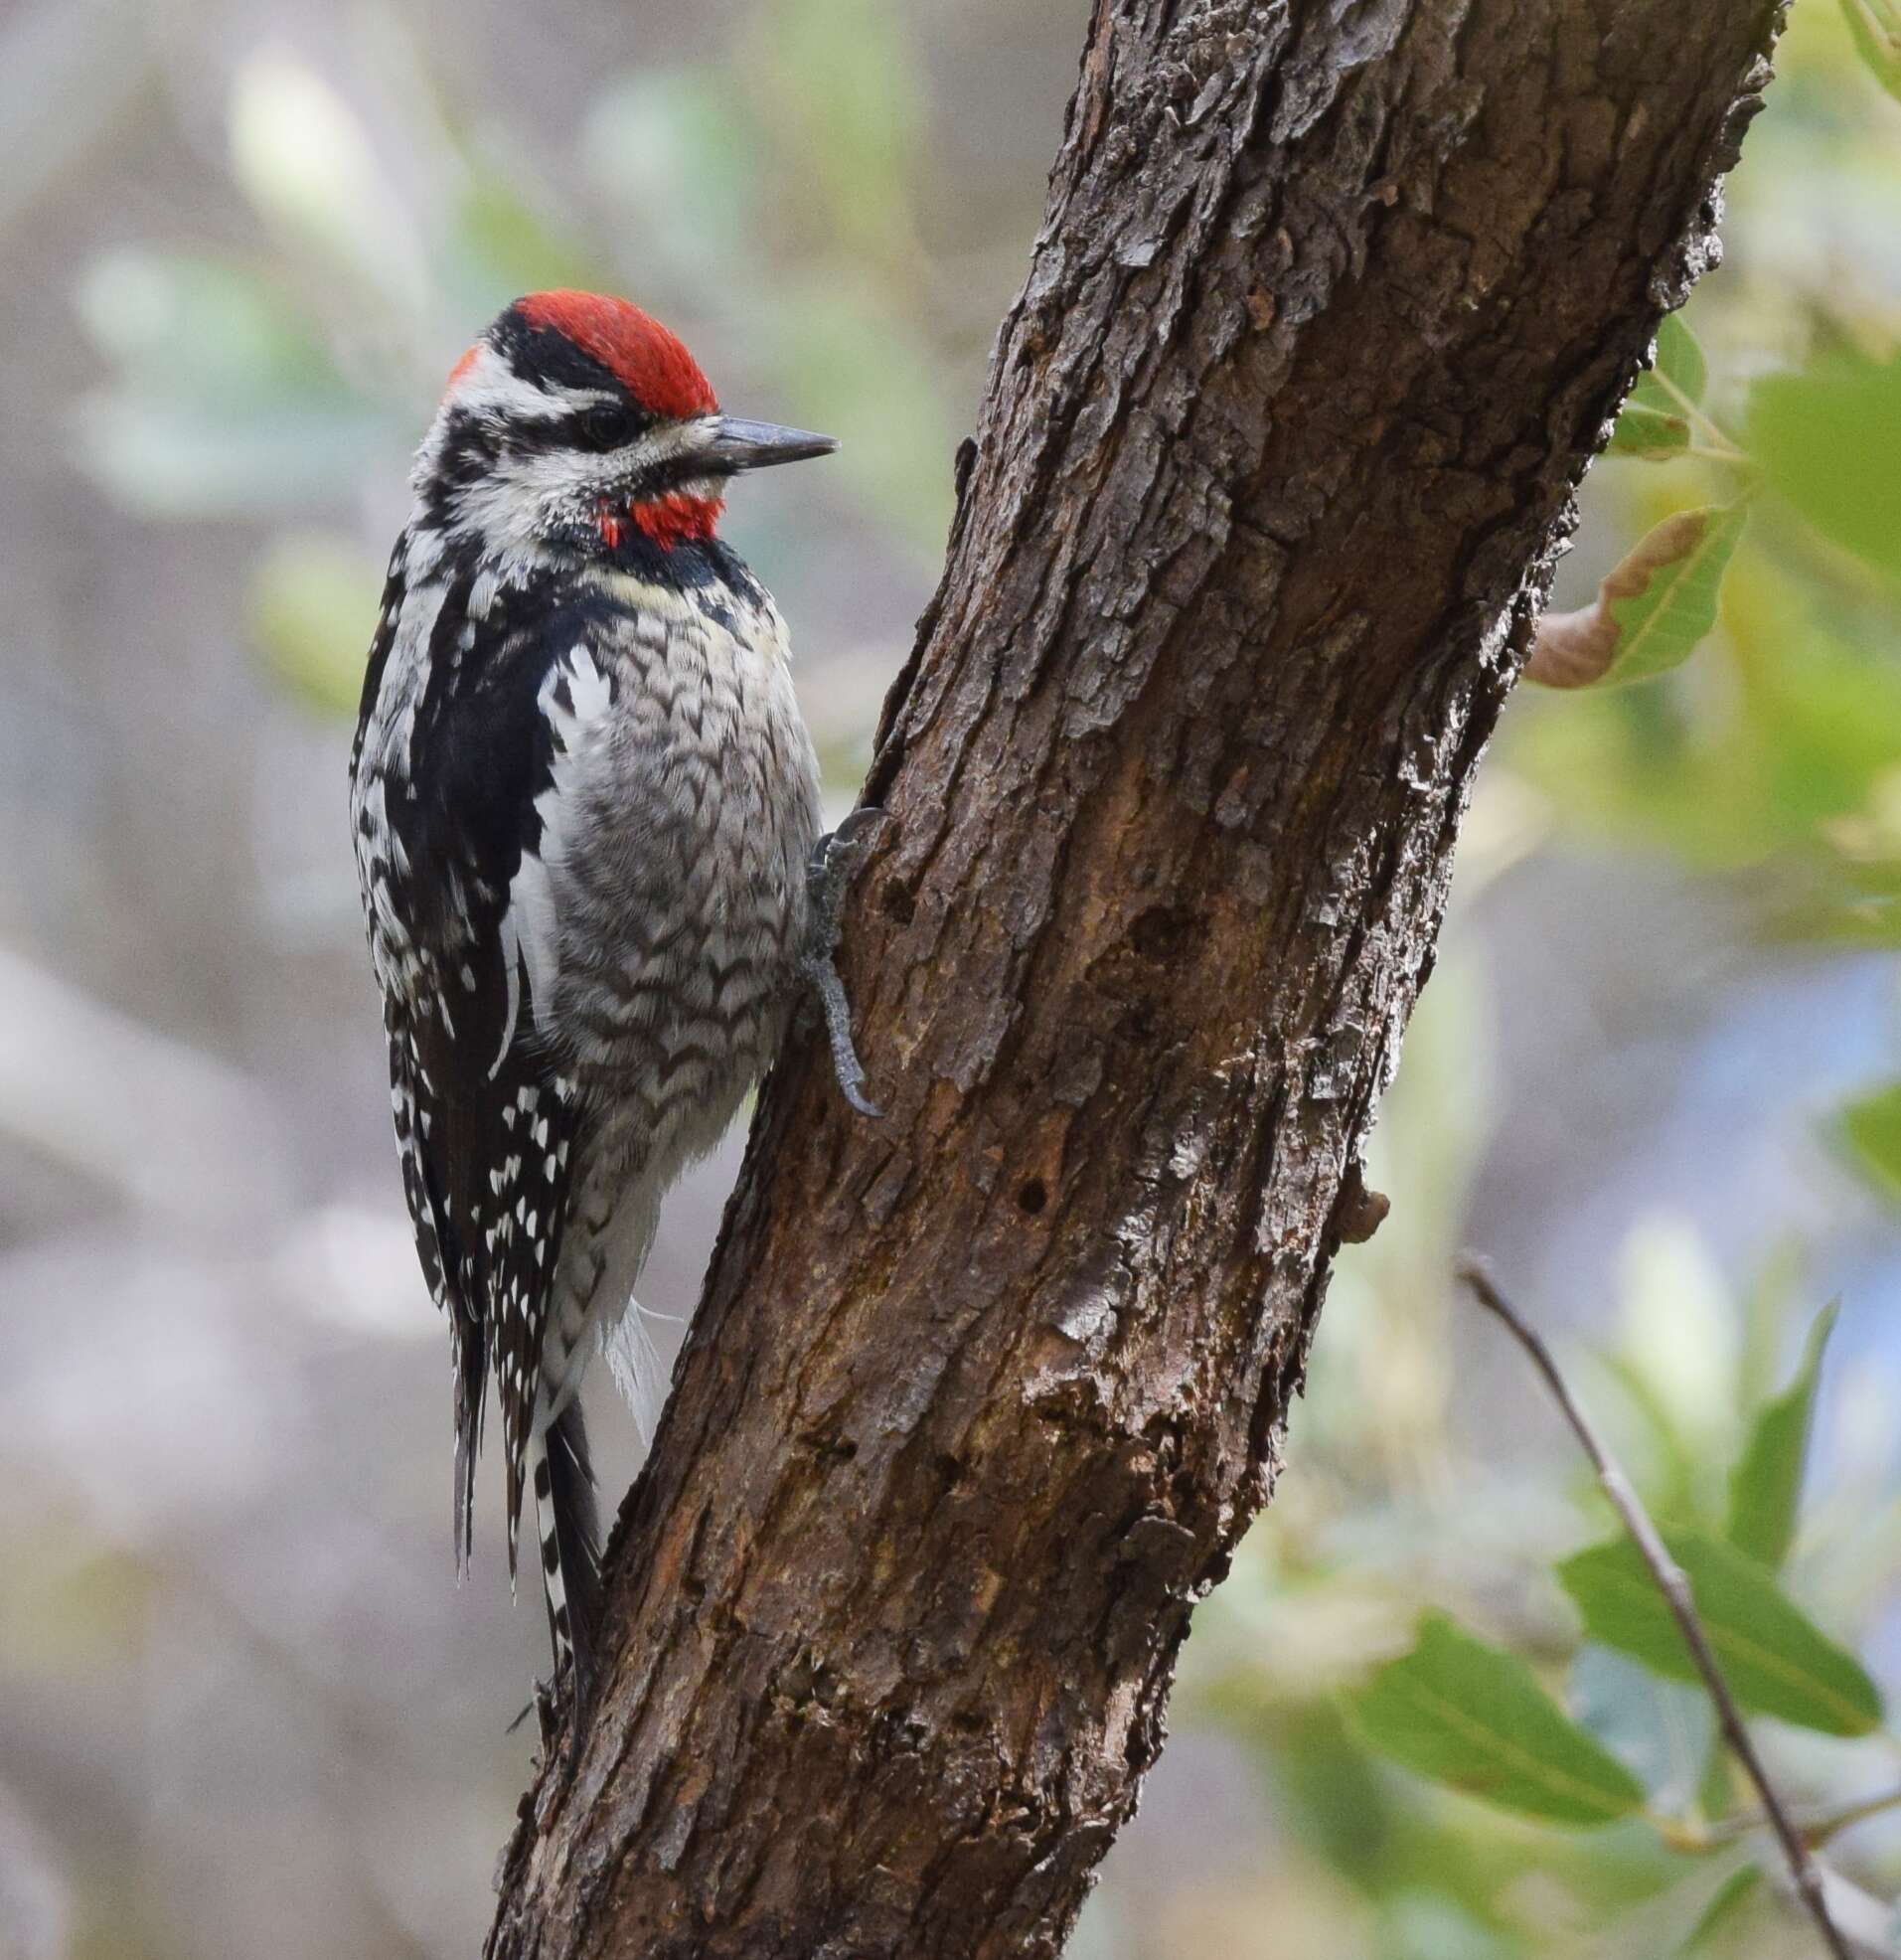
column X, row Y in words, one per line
column 243, row 1707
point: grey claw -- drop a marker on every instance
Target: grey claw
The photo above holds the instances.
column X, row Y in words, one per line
column 543, row 1709
column 850, row 1077
column 823, row 977
column 835, row 857
column 859, row 827
column 834, row 860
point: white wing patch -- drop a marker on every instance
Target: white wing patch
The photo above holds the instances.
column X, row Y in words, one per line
column 531, row 927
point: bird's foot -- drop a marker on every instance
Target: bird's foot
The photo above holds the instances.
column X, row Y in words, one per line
column 834, row 860
column 547, row 1713
column 547, row 1708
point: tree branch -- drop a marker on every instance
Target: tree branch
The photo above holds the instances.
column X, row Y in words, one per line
column 1674, row 1586
column 1330, row 306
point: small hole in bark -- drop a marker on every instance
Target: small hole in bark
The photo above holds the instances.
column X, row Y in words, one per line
column 897, row 901
column 1158, row 932
column 1032, row 1197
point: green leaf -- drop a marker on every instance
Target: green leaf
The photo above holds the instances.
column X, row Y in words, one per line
column 1766, row 1487
column 1872, row 1128
column 1667, row 1463
column 1676, row 379
column 1875, row 27
column 1654, row 423
column 1650, row 434
column 1721, row 1913
column 1716, row 1792
column 1659, row 625
column 1650, row 613
column 1829, row 438
column 1475, row 1718
column 1774, row 1660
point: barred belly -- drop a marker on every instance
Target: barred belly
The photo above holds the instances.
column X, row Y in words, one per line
column 681, row 926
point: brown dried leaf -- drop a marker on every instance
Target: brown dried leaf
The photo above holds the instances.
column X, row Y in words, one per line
column 1573, row 649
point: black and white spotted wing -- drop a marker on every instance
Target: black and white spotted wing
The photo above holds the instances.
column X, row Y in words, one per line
column 382, row 870
column 461, row 934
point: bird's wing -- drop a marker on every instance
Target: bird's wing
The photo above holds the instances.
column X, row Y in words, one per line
column 383, row 815
column 487, row 1108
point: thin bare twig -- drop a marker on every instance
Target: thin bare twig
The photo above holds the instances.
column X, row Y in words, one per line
column 1817, row 1826
column 1675, row 1587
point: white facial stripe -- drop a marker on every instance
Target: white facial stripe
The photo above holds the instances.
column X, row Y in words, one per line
column 515, row 503
column 671, row 441
column 525, row 496
column 489, row 389
column 488, row 385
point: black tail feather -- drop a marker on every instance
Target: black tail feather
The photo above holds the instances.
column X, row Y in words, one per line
column 577, row 1534
column 471, row 1360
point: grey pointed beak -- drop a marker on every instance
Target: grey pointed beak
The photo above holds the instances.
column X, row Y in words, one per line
column 737, row 445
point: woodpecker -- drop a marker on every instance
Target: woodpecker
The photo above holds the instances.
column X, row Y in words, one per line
column 585, row 817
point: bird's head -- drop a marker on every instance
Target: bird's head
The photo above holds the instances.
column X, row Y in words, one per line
column 580, row 423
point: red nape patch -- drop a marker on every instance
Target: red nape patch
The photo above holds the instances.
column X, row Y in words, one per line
column 649, row 361
column 678, row 520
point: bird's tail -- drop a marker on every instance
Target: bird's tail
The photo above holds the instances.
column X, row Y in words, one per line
column 570, row 1526
column 470, row 1356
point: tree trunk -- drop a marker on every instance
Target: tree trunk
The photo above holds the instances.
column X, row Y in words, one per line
column 1331, row 308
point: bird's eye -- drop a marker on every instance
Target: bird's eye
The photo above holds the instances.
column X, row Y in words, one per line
column 607, row 426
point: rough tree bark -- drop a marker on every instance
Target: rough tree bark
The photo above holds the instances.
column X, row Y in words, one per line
column 1331, row 308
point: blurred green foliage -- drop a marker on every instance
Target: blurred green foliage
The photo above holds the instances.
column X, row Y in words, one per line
column 1438, row 1666
column 1763, row 751
column 1765, row 1489
column 1876, row 28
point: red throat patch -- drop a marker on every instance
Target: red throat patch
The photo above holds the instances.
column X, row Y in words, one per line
column 674, row 520
column 652, row 363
